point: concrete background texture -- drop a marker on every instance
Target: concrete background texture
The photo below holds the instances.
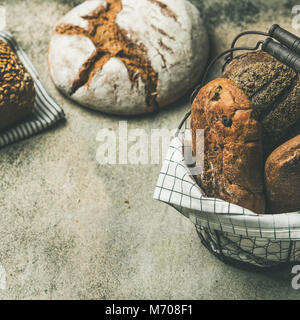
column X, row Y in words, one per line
column 73, row 229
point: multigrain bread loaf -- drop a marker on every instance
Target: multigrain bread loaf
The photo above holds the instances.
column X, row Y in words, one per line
column 233, row 156
column 282, row 176
column 274, row 90
column 127, row 56
column 17, row 91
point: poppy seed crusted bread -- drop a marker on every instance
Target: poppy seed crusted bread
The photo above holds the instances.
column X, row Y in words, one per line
column 274, row 90
column 17, row 91
column 127, row 56
column 233, row 156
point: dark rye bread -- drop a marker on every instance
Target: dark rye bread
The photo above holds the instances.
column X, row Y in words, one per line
column 233, row 156
column 282, row 176
column 274, row 90
column 17, row 93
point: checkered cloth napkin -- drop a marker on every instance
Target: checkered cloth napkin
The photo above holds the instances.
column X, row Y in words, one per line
column 46, row 111
column 176, row 187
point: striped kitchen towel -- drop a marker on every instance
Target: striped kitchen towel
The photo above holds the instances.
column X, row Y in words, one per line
column 46, row 111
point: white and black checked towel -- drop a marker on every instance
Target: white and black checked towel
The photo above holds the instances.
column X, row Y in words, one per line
column 46, row 111
column 226, row 228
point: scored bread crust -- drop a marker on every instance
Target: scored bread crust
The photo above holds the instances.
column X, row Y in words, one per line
column 17, row 92
column 282, row 176
column 127, row 56
column 274, row 90
column 233, row 156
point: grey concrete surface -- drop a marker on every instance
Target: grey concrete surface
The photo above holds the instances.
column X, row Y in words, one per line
column 73, row 229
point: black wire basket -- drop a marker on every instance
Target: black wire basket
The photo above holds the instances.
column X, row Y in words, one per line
column 233, row 234
column 228, row 249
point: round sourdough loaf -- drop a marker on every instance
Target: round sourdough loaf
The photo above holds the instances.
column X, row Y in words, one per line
column 17, row 93
column 127, row 56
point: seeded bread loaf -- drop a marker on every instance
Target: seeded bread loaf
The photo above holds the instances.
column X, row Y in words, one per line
column 17, row 91
column 282, row 176
column 127, row 56
column 233, row 159
column 274, row 90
